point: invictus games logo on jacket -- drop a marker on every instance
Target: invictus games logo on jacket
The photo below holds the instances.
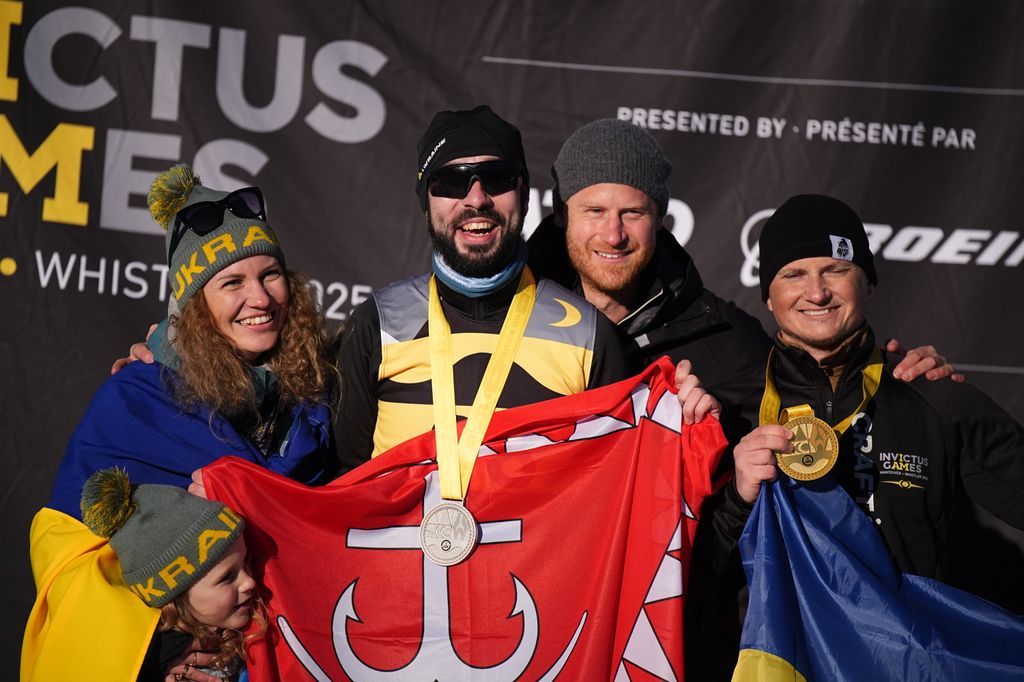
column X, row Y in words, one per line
column 906, row 470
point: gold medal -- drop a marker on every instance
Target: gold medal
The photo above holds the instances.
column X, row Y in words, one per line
column 815, row 443
column 815, row 447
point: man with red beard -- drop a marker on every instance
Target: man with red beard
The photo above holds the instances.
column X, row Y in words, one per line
column 606, row 241
column 473, row 186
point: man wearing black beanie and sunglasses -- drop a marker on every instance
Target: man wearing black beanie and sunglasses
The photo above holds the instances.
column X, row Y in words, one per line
column 473, row 186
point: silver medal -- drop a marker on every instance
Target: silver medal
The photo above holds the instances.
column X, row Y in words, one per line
column 448, row 533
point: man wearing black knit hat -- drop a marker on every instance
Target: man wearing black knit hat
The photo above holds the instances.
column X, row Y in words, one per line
column 903, row 450
column 473, row 185
column 817, row 275
column 474, row 235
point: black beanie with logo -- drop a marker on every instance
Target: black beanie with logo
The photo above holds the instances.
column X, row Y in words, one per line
column 476, row 132
column 808, row 226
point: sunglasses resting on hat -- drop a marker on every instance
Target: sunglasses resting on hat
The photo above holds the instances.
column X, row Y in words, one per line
column 203, row 217
column 454, row 181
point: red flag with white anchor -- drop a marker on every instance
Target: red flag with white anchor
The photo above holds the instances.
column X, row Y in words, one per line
column 586, row 508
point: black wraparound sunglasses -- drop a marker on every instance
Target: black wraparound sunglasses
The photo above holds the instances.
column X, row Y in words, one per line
column 203, row 217
column 454, row 182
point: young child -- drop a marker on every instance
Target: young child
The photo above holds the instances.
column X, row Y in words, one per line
column 186, row 556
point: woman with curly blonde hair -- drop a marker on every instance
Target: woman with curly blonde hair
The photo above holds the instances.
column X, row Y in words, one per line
column 242, row 368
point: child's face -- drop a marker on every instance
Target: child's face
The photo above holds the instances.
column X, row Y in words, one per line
column 222, row 597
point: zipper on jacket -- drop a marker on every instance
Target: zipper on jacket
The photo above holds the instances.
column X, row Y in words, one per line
column 826, row 396
column 641, row 308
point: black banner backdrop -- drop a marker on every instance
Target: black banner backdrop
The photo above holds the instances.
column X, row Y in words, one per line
column 910, row 111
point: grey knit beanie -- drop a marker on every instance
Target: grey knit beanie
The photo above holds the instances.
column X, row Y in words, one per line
column 609, row 150
column 166, row 539
column 196, row 258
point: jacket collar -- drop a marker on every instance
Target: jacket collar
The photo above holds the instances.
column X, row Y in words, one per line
column 670, row 284
column 851, row 356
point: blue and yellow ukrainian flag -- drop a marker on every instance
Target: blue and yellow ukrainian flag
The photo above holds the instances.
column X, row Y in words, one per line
column 827, row 602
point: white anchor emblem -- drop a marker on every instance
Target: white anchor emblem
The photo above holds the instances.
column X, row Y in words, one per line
column 436, row 658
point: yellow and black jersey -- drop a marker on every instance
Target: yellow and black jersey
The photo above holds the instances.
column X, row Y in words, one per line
column 568, row 346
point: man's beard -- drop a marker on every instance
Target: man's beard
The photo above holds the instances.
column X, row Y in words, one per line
column 480, row 261
column 608, row 279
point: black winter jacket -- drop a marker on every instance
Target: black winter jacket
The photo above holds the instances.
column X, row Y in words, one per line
column 898, row 460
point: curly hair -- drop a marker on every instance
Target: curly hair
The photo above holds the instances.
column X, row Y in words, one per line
column 213, row 374
column 227, row 644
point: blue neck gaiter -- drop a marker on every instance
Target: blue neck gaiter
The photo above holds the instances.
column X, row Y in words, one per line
column 475, row 287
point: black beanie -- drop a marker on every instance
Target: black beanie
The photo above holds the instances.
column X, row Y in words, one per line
column 455, row 134
column 811, row 225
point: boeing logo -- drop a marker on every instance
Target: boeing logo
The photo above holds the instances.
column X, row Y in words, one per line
column 912, row 243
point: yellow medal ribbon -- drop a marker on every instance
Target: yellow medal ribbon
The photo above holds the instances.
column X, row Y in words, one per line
column 771, row 403
column 455, row 456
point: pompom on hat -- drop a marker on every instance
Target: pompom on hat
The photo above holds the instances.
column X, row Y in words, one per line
column 166, row 539
column 196, row 258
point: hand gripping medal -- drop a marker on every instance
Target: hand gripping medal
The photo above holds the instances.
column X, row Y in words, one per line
column 815, row 443
column 815, row 446
column 448, row 532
